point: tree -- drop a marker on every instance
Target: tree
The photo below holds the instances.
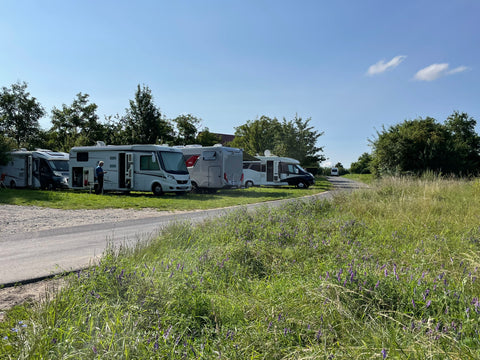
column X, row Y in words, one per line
column 420, row 145
column 206, row 138
column 5, row 146
column 362, row 165
column 255, row 137
column 76, row 125
column 19, row 114
column 186, row 129
column 144, row 123
column 294, row 138
column 465, row 142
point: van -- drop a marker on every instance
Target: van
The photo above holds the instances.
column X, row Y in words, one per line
column 334, row 171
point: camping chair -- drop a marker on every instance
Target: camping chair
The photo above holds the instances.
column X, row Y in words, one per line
column 2, row 181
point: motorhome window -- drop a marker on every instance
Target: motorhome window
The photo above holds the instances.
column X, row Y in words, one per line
column 173, row 162
column 255, row 167
column 246, row 165
column 59, row 165
column 82, row 156
column 292, row 169
column 209, row 155
column 146, row 163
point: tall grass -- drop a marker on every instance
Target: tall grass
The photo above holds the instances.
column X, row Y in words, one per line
column 389, row 272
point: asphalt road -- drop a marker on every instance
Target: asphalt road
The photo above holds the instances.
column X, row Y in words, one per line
column 28, row 257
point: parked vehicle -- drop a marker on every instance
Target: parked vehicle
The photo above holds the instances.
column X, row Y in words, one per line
column 334, row 171
column 213, row 167
column 155, row 168
column 39, row 169
column 275, row 170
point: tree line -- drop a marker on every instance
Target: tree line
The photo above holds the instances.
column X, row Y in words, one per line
column 424, row 145
column 78, row 124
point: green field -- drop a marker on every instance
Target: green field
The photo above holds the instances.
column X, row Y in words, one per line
column 84, row 200
column 386, row 272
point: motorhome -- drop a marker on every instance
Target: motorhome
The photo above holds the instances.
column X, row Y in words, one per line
column 154, row 168
column 213, row 167
column 273, row 170
column 39, row 169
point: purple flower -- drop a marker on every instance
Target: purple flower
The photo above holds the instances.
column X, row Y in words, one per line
column 428, row 303
column 384, row 353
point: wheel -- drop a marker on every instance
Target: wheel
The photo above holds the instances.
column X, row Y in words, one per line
column 248, row 184
column 195, row 189
column 157, row 189
column 302, row 185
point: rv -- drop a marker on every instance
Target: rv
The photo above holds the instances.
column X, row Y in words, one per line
column 39, row 169
column 273, row 170
column 213, row 167
column 128, row 168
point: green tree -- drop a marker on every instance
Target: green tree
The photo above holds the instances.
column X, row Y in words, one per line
column 294, row 138
column 6, row 145
column 19, row 114
column 362, row 165
column 76, row 125
column 144, row 123
column 187, row 128
column 206, row 138
column 255, row 137
column 414, row 146
column 465, row 143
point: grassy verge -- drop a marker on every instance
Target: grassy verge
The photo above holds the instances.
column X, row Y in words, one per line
column 223, row 198
column 364, row 178
column 389, row 272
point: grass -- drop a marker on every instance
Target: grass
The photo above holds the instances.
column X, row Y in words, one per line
column 364, row 178
column 389, row 272
column 84, row 200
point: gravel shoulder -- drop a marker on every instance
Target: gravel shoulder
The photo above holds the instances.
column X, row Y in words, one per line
column 23, row 219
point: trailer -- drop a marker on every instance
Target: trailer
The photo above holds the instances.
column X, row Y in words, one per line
column 39, row 169
column 271, row 170
column 213, row 167
column 155, row 168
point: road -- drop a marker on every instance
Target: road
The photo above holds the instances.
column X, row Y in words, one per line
column 27, row 257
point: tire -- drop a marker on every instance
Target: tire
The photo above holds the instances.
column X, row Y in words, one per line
column 248, row 184
column 157, row 189
column 302, row 185
column 195, row 189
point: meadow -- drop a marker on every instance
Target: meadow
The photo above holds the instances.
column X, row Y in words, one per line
column 70, row 199
column 386, row 272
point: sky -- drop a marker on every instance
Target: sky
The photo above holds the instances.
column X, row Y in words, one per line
column 350, row 66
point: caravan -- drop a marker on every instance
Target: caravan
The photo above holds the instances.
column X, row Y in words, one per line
column 275, row 170
column 39, row 169
column 213, row 167
column 130, row 168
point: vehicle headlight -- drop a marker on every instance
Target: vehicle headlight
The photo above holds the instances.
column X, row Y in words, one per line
column 56, row 173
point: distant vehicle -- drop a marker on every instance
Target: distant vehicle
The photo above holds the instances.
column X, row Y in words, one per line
column 39, row 169
column 154, row 168
column 275, row 170
column 213, row 167
column 334, row 172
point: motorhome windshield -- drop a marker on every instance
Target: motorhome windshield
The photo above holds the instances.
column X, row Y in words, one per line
column 173, row 162
column 59, row 165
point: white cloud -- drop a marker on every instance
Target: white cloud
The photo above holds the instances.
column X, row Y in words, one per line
column 434, row 71
column 382, row 66
column 458, row 70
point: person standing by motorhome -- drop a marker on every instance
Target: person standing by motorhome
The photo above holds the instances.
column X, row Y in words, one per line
column 99, row 174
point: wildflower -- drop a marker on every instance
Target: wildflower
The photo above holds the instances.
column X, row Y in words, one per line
column 5, row 338
column 428, row 303
column 384, row 353
column 413, row 302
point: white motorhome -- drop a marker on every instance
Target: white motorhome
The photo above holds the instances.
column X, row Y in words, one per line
column 213, row 167
column 153, row 168
column 273, row 170
column 39, row 169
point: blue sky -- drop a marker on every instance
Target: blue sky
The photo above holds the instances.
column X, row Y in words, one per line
column 352, row 66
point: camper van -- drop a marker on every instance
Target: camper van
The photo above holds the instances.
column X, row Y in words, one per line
column 39, row 169
column 274, row 170
column 155, row 168
column 213, row 167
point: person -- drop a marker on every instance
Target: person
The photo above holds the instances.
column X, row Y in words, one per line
column 99, row 173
